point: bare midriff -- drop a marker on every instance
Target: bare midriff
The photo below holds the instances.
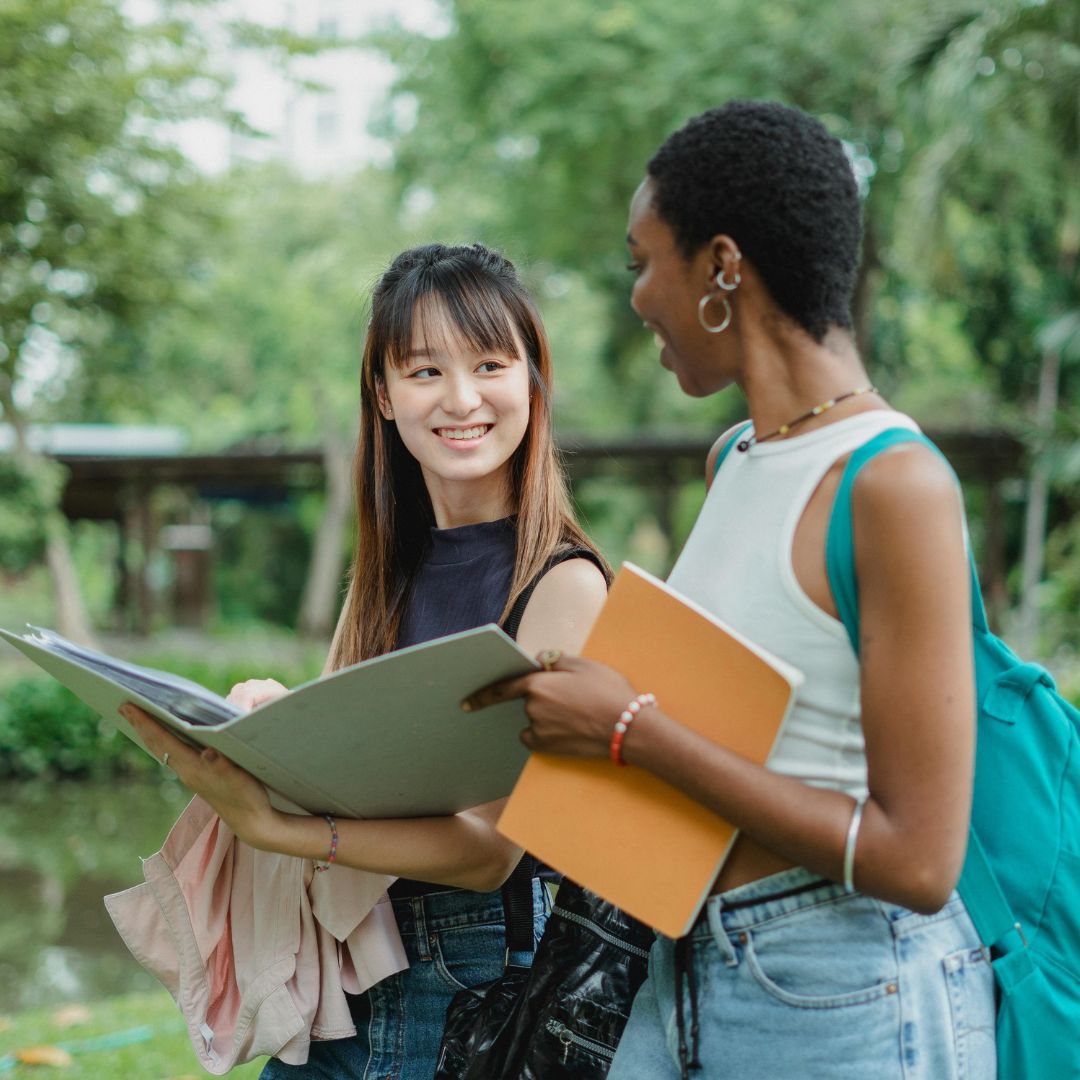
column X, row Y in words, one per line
column 747, row 862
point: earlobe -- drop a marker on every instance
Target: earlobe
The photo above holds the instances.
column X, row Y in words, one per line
column 385, row 407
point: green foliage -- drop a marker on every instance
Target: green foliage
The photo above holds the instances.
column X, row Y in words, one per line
column 27, row 491
column 44, row 728
column 260, row 563
column 93, row 205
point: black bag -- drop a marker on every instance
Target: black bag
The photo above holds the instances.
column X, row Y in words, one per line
column 562, row 1018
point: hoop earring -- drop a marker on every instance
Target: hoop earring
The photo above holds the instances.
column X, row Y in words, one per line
column 721, row 283
column 703, row 303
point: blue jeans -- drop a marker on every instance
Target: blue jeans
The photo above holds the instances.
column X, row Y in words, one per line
column 453, row 939
column 819, row 985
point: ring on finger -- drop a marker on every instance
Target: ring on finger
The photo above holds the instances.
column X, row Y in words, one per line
column 549, row 658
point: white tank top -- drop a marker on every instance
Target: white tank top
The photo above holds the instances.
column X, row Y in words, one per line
column 737, row 564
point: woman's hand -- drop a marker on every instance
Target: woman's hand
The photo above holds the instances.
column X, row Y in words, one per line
column 255, row 692
column 238, row 798
column 572, row 707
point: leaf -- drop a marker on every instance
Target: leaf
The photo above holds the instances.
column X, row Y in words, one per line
column 70, row 1015
column 44, row 1055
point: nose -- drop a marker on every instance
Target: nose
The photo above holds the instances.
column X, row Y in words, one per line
column 461, row 396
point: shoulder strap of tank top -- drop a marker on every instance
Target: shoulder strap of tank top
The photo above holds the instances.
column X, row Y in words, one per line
column 512, row 622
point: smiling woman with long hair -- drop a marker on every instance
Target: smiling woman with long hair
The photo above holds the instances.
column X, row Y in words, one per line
column 463, row 519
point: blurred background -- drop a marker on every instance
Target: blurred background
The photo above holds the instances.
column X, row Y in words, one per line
column 195, row 199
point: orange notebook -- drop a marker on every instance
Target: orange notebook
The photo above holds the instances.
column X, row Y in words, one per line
column 620, row 831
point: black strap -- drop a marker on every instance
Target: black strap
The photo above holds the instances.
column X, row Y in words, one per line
column 517, row 898
column 512, row 622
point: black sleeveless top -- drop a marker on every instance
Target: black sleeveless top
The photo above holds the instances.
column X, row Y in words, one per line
column 463, row 582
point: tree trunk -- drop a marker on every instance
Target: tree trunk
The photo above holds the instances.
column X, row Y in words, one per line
column 866, row 288
column 1027, row 628
column 319, row 603
column 73, row 620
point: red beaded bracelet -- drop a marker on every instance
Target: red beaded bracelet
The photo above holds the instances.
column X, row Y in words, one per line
column 319, row 864
column 622, row 725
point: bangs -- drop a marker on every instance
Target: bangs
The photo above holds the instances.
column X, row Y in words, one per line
column 448, row 307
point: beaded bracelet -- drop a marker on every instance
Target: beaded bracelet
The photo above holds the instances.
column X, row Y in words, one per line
column 319, row 863
column 622, row 725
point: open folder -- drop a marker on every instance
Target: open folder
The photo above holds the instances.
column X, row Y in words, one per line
column 383, row 738
column 620, row 831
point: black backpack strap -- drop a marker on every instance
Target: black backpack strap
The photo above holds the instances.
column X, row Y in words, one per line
column 517, row 898
column 512, row 622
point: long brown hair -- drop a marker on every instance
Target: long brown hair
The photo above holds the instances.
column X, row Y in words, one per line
column 489, row 307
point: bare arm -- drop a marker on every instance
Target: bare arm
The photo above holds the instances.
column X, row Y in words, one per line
column 463, row 850
column 917, row 699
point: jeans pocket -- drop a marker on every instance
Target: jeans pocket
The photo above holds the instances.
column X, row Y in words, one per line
column 468, row 956
column 969, row 980
column 836, row 954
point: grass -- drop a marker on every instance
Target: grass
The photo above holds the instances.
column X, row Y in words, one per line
column 137, row 1037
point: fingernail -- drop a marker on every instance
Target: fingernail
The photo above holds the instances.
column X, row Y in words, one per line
column 124, row 711
column 466, row 705
column 209, row 754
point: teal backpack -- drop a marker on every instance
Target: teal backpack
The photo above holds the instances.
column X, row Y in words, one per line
column 1021, row 877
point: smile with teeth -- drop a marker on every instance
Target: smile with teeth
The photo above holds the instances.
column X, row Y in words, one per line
column 477, row 432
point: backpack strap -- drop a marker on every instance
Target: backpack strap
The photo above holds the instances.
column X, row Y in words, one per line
column 517, row 900
column 840, row 541
column 986, row 903
column 726, row 449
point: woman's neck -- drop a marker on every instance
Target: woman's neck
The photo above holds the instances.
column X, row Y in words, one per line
column 784, row 376
column 468, row 502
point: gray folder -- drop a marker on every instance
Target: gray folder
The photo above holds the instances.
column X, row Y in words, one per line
column 383, row 738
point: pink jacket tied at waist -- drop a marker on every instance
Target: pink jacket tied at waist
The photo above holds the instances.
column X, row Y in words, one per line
column 257, row 949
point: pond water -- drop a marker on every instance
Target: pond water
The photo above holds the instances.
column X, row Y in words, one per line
column 63, row 846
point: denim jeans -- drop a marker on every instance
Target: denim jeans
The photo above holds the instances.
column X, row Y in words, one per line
column 819, row 985
column 453, row 939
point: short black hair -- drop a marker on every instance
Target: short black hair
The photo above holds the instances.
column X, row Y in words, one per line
column 774, row 180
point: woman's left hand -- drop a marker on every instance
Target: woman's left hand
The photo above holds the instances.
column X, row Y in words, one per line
column 572, row 706
column 238, row 798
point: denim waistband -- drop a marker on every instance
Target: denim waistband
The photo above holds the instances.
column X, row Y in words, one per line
column 767, row 898
column 452, row 908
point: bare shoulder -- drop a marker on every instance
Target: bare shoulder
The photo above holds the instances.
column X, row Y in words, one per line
column 714, row 452
column 905, row 484
column 563, row 607
column 570, row 579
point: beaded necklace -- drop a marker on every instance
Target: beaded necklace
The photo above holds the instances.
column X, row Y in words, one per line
column 744, row 444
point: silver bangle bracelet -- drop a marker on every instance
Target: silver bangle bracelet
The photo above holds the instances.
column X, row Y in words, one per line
column 852, row 840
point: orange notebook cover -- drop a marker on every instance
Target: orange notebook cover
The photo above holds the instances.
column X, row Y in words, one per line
column 620, row 831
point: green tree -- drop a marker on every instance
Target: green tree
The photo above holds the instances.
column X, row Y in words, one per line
column 535, row 123
column 993, row 209
column 94, row 206
column 266, row 339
